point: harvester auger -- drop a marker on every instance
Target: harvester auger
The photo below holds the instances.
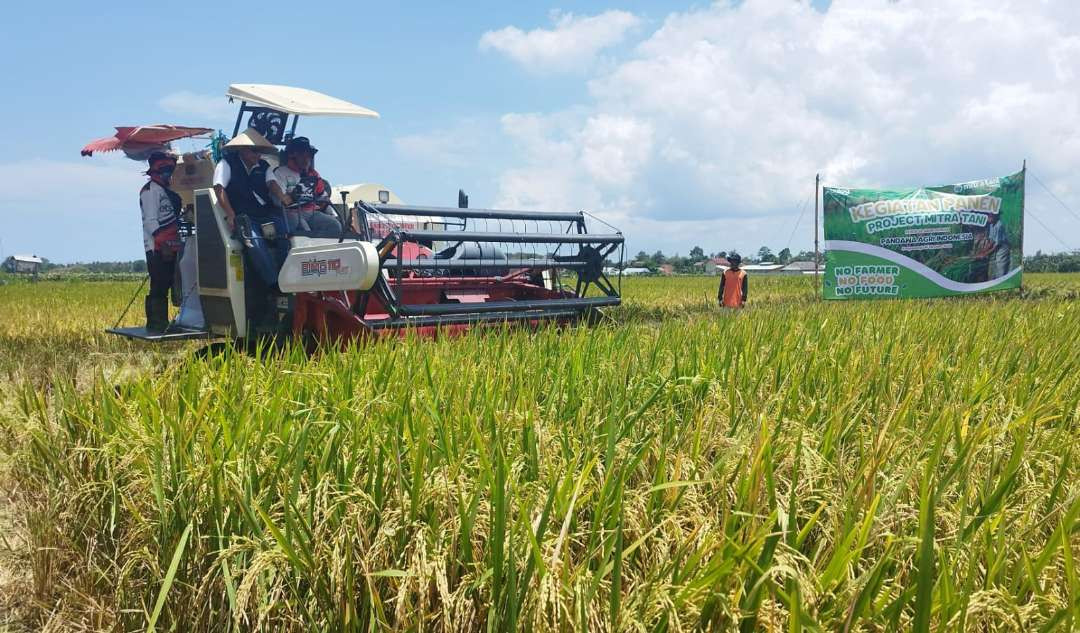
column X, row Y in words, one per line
column 393, row 268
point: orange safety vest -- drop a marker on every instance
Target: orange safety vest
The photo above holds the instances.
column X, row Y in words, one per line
column 733, row 280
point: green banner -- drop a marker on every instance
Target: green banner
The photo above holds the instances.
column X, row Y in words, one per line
column 928, row 242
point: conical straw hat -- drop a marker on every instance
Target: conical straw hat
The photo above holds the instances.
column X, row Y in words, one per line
column 252, row 139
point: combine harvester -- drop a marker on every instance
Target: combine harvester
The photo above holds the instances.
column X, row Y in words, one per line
column 395, row 267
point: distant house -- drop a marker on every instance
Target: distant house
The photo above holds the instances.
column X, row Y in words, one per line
column 630, row 270
column 667, row 269
column 800, row 268
column 772, row 268
column 23, row 264
column 713, row 265
column 766, row 269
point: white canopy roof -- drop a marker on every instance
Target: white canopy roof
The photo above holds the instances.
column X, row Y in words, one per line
column 297, row 101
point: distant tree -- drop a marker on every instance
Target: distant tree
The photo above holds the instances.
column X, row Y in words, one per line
column 136, row 266
column 765, row 254
column 784, row 256
column 1052, row 263
column 697, row 254
column 658, row 258
column 681, row 264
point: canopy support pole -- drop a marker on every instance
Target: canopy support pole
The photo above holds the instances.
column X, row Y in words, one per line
column 239, row 118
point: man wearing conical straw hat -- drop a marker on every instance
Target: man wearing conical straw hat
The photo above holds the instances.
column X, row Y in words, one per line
column 240, row 178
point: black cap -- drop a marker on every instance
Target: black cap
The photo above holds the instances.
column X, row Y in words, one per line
column 156, row 157
column 159, row 156
column 734, row 258
column 299, row 144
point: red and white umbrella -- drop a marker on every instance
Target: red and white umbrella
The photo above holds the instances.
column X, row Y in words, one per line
column 140, row 139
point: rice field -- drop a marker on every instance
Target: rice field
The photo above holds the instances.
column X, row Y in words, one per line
column 796, row 466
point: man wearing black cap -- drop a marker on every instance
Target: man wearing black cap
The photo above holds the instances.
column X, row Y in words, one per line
column 733, row 284
column 161, row 237
column 297, row 188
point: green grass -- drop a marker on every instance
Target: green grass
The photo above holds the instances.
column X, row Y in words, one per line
column 794, row 466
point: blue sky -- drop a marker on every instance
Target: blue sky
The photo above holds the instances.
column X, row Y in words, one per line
column 684, row 124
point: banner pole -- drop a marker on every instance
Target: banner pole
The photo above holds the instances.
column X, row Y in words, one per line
column 1023, row 220
column 817, row 189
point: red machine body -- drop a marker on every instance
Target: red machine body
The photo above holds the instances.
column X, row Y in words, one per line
column 331, row 316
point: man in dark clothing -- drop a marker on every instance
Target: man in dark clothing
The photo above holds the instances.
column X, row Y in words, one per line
column 733, row 284
column 240, row 179
column 240, row 185
column 161, row 237
column 301, row 192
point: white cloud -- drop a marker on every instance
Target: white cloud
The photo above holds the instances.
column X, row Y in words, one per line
column 438, row 147
column 573, row 44
column 95, row 178
column 457, row 146
column 614, row 147
column 73, row 210
column 207, row 108
column 720, row 118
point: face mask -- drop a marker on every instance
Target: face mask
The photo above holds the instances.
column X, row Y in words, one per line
column 165, row 175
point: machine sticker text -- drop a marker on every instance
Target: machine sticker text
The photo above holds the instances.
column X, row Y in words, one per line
column 319, row 267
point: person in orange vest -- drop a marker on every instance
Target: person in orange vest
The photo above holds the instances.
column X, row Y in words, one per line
column 733, row 286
